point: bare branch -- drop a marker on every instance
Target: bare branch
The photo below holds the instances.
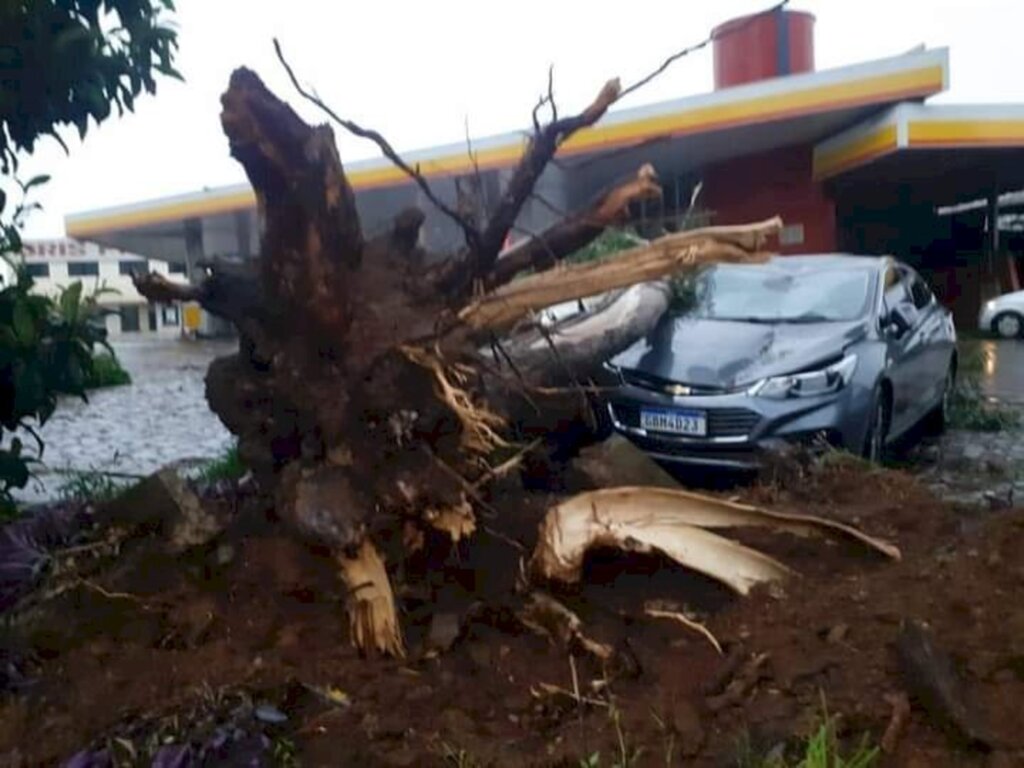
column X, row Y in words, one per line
column 551, row 93
column 471, row 234
column 542, row 147
column 696, row 47
column 472, row 155
column 157, row 288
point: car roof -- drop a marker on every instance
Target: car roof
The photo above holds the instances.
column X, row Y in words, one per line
column 830, row 261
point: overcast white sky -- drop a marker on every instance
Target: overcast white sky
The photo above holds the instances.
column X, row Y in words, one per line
column 417, row 70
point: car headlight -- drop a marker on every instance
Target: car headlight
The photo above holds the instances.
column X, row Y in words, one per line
column 990, row 305
column 821, row 382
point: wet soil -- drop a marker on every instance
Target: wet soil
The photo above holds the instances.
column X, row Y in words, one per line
column 251, row 633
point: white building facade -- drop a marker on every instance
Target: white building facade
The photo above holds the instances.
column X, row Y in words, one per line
column 56, row 264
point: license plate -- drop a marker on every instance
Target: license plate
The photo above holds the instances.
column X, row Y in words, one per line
column 676, row 421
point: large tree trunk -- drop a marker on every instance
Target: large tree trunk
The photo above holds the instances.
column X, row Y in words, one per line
column 364, row 395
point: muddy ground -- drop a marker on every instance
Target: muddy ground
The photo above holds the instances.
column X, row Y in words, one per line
column 238, row 653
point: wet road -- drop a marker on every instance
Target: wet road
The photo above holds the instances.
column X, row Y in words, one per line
column 1002, row 375
column 160, row 417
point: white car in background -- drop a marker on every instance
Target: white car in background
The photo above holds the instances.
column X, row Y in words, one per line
column 1004, row 316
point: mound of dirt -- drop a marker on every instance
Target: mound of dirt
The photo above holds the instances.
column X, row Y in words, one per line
column 237, row 653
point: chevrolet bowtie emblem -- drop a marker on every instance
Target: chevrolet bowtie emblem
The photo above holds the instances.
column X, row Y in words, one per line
column 679, row 390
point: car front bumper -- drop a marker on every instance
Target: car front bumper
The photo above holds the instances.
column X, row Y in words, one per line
column 742, row 429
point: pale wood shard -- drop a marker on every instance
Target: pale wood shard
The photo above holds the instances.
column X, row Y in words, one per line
column 667, row 255
column 642, row 503
column 373, row 621
column 458, row 520
column 640, row 519
column 570, row 529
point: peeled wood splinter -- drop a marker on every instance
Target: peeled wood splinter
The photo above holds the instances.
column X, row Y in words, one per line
column 640, row 519
column 373, row 622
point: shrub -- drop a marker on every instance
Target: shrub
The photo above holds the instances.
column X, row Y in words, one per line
column 106, row 371
column 609, row 242
column 46, row 350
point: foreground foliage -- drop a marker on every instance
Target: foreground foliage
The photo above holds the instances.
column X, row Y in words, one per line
column 63, row 62
column 46, row 351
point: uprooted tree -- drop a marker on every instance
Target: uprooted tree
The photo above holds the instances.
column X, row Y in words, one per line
column 377, row 388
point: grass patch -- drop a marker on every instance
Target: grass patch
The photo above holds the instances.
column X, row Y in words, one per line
column 822, row 749
column 227, row 466
column 106, row 371
column 969, row 408
column 91, row 486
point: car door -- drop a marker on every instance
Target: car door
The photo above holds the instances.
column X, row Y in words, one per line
column 906, row 351
column 937, row 338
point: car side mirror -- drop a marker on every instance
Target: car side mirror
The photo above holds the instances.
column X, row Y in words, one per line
column 900, row 319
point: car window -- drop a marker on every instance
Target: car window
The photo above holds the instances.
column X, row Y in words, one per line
column 895, row 294
column 777, row 293
column 920, row 292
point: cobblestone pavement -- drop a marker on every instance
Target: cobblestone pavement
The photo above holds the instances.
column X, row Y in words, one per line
column 160, row 417
column 984, row 468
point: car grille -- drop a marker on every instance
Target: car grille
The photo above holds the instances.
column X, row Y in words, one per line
column 722, row 422
column 658, row 384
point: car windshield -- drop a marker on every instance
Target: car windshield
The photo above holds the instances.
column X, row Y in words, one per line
column 771, row 294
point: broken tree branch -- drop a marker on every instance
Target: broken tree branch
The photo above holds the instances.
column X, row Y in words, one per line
column 577, row 230
column 158, row 288
column 502, row 308
column 470, row 232
column 542, row 147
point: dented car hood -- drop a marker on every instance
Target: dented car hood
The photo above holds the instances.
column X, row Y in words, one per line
column 728, row 354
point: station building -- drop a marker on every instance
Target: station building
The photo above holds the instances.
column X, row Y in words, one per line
column 853, row 158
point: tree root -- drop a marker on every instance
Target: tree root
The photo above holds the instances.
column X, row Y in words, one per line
column 479, row 424
column 547, row 617
column 897, row 722
column 686, row 621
